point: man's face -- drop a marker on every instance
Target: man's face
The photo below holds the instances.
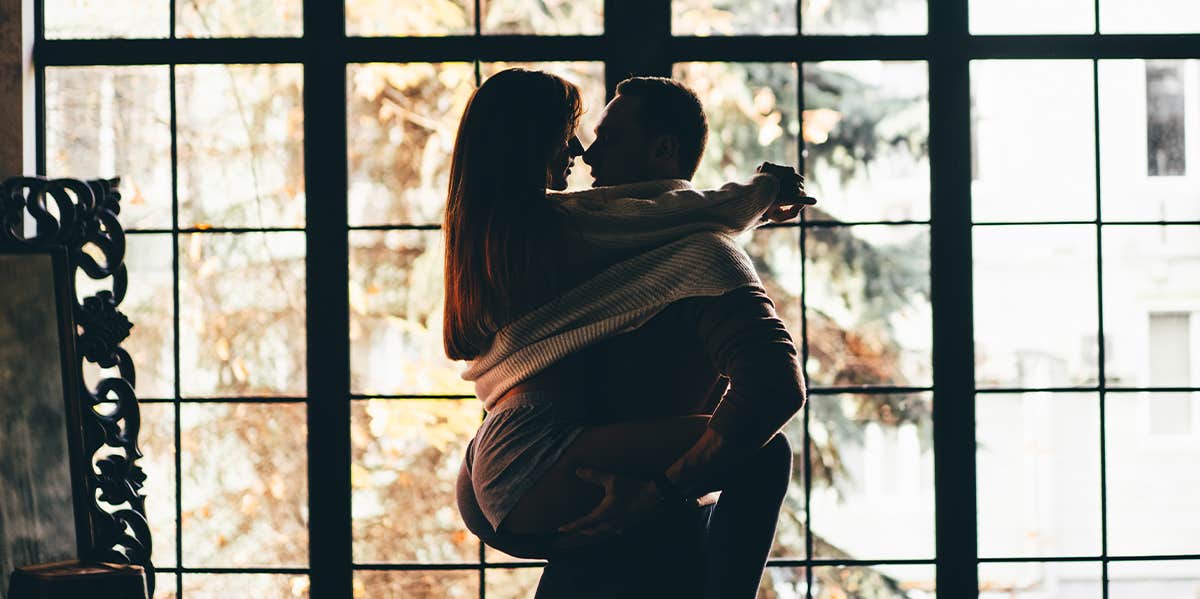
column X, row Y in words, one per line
column 622, row 152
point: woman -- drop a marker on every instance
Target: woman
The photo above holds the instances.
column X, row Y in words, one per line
column 516, row 300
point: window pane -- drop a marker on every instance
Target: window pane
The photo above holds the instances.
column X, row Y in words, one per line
column 790, row 542
column 245, row 485
column 1035, row 306
column 1033, row 140
column 778, row 581
column 1164, row 16
column 512, row 583
column 401, row 123
column 241, row 145
column 1041, row 580
column 589, row 76
column 901, row 582
column 752, row 117
column 1149, row 146
column 149, row 306
column 156, row 439
column 406, row 457
column 1152, row 484
column 548, row 17
column 1038, row 471
column 864, row 17
column 164, row 587
column 1170, row 578
column 869, row 318
column 114, row 121
column 396, row 316
column 410, row 17
column 733, row 17
column 1150, row 273
column 107, row 18
column 866, row 130
column 259, row 586
column 873, row 496
column 1021, row 17
column 448, row 584
column 239, row 18
column 242, row 314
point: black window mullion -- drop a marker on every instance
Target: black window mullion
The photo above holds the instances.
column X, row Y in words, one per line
column 637, row 40
column 327, row 305
column 951, row 300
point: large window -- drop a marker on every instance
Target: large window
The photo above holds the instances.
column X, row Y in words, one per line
column 996, row 298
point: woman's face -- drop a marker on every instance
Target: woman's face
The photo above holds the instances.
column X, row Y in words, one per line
column 560, row 165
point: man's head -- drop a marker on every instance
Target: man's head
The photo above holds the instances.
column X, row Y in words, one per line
column 653, row 129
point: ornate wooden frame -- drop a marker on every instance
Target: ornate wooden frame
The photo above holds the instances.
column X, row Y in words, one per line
column 110, row 511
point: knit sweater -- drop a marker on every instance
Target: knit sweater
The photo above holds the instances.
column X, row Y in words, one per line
column 683, row 245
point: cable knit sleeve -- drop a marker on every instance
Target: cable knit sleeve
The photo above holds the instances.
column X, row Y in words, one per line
column 610, row 222
column 748, row 344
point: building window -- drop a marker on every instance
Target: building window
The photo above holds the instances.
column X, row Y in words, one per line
column 1165, row 119
column 1170, row 366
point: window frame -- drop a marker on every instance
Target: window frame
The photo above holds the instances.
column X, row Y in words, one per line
column 325, row 51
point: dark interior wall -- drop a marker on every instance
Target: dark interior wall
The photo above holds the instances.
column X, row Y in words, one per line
column 16, row 88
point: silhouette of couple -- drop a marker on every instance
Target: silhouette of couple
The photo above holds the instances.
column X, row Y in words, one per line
column 630, row 363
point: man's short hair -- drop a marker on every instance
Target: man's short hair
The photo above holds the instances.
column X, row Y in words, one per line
column 669, row 107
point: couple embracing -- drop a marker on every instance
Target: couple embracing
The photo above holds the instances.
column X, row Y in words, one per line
column 634, row 373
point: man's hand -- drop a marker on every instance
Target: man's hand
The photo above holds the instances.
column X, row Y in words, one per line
column 626, row 501
column 792, row 198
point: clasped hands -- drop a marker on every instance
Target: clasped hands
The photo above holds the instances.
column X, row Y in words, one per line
column 791, row 198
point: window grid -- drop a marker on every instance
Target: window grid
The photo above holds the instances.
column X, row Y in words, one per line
column 946, row 37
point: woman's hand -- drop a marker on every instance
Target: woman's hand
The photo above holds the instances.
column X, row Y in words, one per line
column 791, row 198
column 627, row 501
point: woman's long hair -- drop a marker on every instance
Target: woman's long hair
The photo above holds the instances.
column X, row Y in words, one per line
column 503, row 237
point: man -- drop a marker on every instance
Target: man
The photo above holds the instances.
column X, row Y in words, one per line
column 682, row 361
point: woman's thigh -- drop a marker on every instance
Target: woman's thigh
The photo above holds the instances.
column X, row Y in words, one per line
column 641, row 448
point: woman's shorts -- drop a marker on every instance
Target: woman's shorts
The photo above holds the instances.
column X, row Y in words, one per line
column 515, row 446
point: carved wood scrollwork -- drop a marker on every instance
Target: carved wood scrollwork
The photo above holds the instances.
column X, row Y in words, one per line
column 82, row 217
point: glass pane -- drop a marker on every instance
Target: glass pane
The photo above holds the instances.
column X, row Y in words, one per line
column 872, row 497
column 789, row 582
column 1041, row 580
column 733, row 17
column 790, row 542
column 1038, row 474
column 1152, row 484
column 396, row 316
column 241, row 145
column 259, row 586
column 512, row 583
column 1163, row 16
column 245, row 485
column 164, row 585
column 114, row 121
column 869, row 318
column 410, row 17
column 447, row 584
column 1032, row 140
column 1035, row 306
column 1167, row 579
column 1022, row 17
column 107, row 18
column 864, row 17
column 405, row 463
column 401, row 124
column 548, row 17
column 589, row 76
column 239, row 18
column 149, row 306
column 752, row 117
column 156, row 439
column 1146, row 270
column 866, row 130
column 242, row 314
column 867, row 582
column 1149, row 147
column 776, row 255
